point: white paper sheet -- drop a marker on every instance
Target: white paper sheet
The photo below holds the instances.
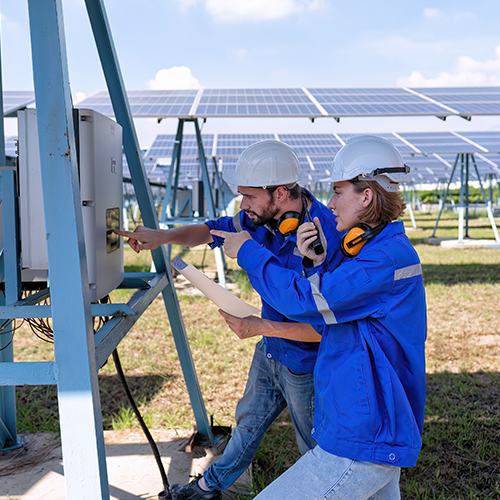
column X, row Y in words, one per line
column 223, row 298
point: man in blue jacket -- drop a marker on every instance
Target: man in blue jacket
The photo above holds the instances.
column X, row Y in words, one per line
column 273, row 205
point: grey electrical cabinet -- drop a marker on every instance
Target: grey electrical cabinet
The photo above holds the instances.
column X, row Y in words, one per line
column 99, row 150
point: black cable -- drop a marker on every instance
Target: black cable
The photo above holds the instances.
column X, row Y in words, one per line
column 165, row 494
column 10, row 341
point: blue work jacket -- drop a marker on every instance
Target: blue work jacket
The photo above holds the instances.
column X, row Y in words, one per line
column 370, row 372
column 298, row 356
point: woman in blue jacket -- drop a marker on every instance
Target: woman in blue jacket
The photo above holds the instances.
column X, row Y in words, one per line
column 370, row 371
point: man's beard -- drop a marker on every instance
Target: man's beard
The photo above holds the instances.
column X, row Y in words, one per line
column 263, row 218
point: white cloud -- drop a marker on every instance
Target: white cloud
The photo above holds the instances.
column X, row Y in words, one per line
column 252, row 10
column 79, row 96
column 258, row 10
column 186, row 4
column 178, row 77
column 240, row 53
column 431, row 13
column 468, row 72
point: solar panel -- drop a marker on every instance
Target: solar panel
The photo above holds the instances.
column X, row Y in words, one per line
column 14, row 100
column 487, row 140
column 394, row 139
column 163, row 146
column 146, row 103
column 312, row 144
column 374, row 102
column 234, row 144
column 255, row 102
column 429, row 169
column 439, row 142
column 467, row 100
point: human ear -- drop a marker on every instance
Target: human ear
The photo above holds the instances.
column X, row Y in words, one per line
column 280, row 193
column 367, row 197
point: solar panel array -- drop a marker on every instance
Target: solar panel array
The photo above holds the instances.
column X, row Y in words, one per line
column 431, row 156
column 303, row 102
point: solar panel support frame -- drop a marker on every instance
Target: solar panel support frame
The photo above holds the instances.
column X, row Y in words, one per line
column 464, row 160
column 169, row 216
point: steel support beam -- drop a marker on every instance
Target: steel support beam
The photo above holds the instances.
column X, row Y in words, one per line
column 12, row 273
column 77, row 386
column 465, row 160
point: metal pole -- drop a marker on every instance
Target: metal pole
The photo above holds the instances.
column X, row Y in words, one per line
column 174, row 165
column 408, row 205
column 76, row 371
column 466, row 187
column 8, row 427
column 488, row 201
column 12, row 270
column 219, row 259
column 461, row 200
column 445, row 195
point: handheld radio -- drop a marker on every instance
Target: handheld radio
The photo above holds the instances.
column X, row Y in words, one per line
column 316, row 245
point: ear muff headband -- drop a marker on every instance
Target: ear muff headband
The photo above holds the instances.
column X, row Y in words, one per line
column 354, row 240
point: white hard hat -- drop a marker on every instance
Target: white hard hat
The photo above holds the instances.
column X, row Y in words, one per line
column 368, row 157
column 265, row 163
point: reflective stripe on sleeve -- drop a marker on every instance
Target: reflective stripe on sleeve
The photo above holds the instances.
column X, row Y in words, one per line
column 407, row 272
column 321, row 302
column 237, row 223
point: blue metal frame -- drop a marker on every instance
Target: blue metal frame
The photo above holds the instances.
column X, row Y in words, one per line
column 169, row 215
column 78, row 356
column 76, row 371
column 465, row 160
column 11, row 272
column 8, row 429
column 121, row 108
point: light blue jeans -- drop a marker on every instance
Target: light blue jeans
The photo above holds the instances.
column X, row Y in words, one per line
column 320, row 475
column 270, row 387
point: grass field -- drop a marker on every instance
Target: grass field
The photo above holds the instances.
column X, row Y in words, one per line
column 460, row 458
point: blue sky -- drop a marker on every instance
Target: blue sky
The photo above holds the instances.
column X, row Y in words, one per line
column 276, row 43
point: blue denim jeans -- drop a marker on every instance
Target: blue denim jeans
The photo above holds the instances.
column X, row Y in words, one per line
column 270, row 387
column 320, row 475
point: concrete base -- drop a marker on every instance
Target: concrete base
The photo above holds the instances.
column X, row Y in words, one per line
column 35, row 472
column 465, row 243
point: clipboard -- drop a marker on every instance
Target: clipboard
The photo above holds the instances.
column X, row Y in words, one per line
column 223, row 298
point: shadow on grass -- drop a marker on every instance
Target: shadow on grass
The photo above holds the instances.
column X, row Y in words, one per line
column 37, row 408
column 453, row 274
column 460, row 457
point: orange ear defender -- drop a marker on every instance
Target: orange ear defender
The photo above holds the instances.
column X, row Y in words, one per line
column 289, row 222
column 354, row 240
